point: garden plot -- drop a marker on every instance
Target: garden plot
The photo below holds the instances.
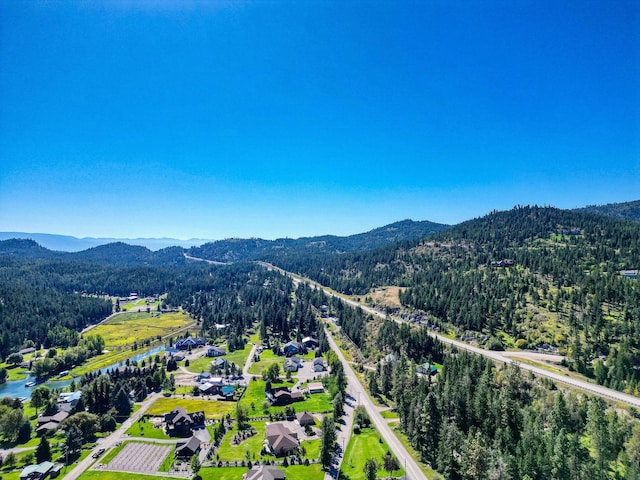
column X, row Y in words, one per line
column 140, row 457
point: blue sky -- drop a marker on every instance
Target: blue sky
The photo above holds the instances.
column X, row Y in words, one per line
column 273, row 119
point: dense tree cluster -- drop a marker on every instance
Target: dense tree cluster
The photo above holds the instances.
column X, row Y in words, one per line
column 478, row 422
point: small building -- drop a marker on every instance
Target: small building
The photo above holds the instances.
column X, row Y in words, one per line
column 179, row 357
column 188, row 448
column 216, row 352
column 180, row 423
column 630, row 274
column 315, row 387
column 264, row 472
column 26, row 351
column 203, row 377
column 305, row 418
column 280, row 440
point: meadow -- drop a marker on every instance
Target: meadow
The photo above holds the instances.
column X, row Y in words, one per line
column 367, row 444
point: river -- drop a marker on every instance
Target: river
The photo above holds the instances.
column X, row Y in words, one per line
column 18, row 388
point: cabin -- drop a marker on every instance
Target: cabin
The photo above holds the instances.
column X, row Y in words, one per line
column 426, row 369
column 315, row 387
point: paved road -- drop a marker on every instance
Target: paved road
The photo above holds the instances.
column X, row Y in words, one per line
column 115, row 437
column 496, row 356
column 412, row 469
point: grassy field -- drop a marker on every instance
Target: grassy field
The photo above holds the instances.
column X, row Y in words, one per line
column 130, row 327
column 121, row 331
column 361, row 447
column 211, row 408
column 14, row 373
column 143, row 428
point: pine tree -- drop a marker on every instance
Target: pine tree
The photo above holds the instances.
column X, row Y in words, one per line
column 43, row 452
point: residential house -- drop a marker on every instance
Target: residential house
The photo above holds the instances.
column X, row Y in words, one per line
column 180, row 423
column 426, row 369
column 264, row 472
column 280, row 440
column 309, row 342
column 203, row 377
column 50, row 423
column 189, row 342
column 305, row 418
column 283, row 396
column 290, row 366
column 216, row 351
column 315, row 387
column 292, row 348
column 26, row 351
column 218, row 363
column 188, row 448
column 318, row 365
column 40, row 471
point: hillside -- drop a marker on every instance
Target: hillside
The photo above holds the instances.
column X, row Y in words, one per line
column 527, row 277
column 626, row 210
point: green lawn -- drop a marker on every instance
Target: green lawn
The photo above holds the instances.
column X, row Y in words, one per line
column 362, row 447
column 295, row 472
column 300, row 472
column 224, row 473
column 143, row 428
column 211, row 408
column 389, row 414
column 267, row 358
column 14, row 372
column 312, row 448
column 230, row 453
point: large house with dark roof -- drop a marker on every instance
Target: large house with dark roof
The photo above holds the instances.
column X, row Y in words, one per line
column 180, row 423
column 188, row 448
column 189, row 342
column 280, row 440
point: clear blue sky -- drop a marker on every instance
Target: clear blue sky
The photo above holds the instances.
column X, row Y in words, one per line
column 272, row 119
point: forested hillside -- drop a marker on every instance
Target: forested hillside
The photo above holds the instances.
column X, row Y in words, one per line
column 526, row 277
column 316, row 247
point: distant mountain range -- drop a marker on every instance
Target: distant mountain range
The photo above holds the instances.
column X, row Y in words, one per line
column 119, row 252
column 66, row 243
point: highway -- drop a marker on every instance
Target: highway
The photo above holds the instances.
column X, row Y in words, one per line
column 588, row 387
column 356, row 390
